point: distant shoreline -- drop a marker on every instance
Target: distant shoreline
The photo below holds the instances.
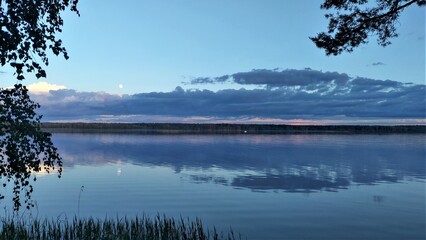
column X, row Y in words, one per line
column 225, row 128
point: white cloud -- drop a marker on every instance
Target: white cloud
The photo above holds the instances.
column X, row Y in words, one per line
column 43, row 87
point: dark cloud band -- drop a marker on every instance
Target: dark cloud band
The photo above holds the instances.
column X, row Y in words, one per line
column 276, row 78
column 289, row 94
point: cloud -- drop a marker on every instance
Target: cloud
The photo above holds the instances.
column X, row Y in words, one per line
column 330, row 97
column 276, row 78
column 378, row 64
column 359, row 98
column 43, row 87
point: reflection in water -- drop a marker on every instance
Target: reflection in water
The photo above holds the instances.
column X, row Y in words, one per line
column 378, row 198
column 365, row 186
column 289, row 183
column 293, row 163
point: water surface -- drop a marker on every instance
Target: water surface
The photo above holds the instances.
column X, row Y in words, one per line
column 264, row 186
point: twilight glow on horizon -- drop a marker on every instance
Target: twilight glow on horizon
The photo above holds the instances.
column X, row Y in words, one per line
column 243, row 61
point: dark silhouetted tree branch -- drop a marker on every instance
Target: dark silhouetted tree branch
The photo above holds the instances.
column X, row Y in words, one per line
column 354, row 21
column 24, row 148
column 28, row 28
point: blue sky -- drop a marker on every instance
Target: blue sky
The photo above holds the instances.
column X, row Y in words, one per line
column 139, row 47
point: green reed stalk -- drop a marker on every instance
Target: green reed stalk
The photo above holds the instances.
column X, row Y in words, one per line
column 158, row 228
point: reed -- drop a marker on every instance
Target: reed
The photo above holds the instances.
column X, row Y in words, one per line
column 158, row 228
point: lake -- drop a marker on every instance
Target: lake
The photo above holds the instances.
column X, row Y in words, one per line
column 263, row 186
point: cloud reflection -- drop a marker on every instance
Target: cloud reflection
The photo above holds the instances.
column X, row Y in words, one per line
column 293, row 163
column 289, row 183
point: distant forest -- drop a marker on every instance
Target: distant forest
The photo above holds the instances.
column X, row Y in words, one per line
column 223, row 128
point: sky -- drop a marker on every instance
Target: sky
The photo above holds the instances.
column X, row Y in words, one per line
column 245, row 61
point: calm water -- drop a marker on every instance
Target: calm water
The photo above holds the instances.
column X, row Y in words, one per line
column 264, row 186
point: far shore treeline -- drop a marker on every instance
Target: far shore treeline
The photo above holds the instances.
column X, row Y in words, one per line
column 224, row 128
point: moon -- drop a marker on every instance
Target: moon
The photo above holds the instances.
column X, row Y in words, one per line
column 120, row 85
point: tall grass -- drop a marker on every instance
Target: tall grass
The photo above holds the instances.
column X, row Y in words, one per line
column 158, row 228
